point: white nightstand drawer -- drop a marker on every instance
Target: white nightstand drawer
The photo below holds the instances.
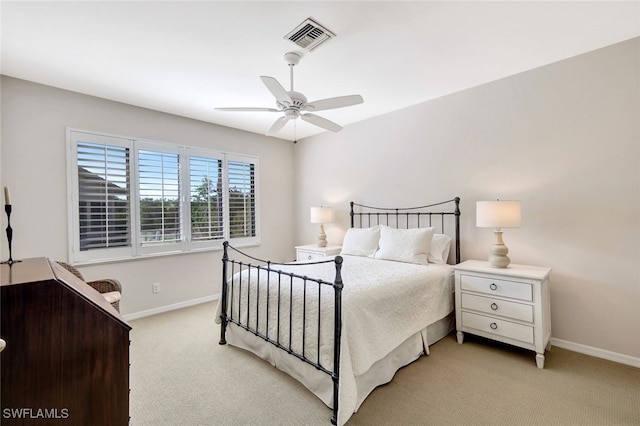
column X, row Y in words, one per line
column 497, row 287
column 499, row 327
column 311, row 252
column 309, row 255
column 519, row 311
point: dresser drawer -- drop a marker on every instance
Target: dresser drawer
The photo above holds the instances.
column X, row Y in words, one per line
column 498, row 327
column 519, row 311
column 497, row 287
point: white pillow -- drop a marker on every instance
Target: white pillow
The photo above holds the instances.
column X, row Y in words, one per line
column 405, row 245
column 361, row 241
column 439, row 249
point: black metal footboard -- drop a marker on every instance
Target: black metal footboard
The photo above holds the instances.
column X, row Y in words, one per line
column 260, row 299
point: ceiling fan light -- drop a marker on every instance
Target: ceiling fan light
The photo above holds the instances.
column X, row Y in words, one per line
column 291, row 113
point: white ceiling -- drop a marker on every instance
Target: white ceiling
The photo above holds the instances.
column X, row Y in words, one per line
column 186, row 58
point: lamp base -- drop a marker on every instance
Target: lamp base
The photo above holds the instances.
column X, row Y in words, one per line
column 498, row 257
column 497, row 261
column 322, row 237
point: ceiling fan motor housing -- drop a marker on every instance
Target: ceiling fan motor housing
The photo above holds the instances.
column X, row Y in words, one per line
column 292, row 110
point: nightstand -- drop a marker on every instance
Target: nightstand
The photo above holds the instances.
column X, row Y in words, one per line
column 312, row 252
column 510, row 305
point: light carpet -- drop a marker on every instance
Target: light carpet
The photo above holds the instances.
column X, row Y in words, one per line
column 180, row 375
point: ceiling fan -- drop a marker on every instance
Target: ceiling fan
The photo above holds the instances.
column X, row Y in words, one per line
column 294, row 104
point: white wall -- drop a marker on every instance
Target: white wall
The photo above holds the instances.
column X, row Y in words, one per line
column 33, row 149
column 564, row 139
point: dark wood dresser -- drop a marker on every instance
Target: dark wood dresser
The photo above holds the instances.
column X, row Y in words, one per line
column 67, row 355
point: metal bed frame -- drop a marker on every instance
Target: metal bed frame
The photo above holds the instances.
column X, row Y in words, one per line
column 280, row 280
column 406, row 217
column 233, row 283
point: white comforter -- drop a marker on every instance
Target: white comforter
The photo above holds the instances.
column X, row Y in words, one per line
column 383, row 304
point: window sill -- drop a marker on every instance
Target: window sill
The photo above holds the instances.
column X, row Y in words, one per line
column 156, row 255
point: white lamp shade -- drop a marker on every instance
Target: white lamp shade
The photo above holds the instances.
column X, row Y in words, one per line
column 498, row 214
column 321, row 215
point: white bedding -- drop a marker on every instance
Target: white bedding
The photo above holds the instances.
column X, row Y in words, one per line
column 384, row 304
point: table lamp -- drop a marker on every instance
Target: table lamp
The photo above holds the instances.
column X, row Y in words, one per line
column 498, row 214
column 322, row 215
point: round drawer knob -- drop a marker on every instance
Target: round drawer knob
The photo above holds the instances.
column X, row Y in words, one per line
column 309, row 257
column 493, row 326
column 494, row 307
column 493, row 286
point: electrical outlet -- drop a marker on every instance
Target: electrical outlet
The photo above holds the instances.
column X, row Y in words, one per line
column 155, row 287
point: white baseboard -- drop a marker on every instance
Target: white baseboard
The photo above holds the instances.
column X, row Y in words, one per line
column 168, row 308
column 596, row 352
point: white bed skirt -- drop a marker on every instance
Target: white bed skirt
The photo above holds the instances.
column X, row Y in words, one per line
column 321, row 384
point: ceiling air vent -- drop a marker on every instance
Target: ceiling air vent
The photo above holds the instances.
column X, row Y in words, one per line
column 309, row 35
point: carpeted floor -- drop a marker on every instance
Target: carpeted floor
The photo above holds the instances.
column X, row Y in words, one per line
column 181, row 376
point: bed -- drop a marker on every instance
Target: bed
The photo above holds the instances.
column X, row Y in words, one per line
column 344, row 325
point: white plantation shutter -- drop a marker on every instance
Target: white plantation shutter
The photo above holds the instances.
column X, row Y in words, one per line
column 159, row 197
column 206, row 202
column 242, row 199
column 103, row 196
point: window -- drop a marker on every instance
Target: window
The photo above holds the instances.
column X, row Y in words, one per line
column 242, row 221
column 103, row 198
column 132, row 197
column 205, row 180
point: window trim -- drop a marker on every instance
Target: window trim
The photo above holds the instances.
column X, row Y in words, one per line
column 136, row 250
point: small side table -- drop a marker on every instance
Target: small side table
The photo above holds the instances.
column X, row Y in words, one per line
column 510, row 305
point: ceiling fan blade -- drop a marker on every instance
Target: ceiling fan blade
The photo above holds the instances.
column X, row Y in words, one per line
column 279, row 124
column 276, row 89
column 247, row 109
column 321, row 122
column 331, row 103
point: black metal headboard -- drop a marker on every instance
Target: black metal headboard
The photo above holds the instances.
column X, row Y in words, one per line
column 411, row 217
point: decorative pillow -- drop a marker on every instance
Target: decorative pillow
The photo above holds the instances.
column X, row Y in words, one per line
column 439, row 249
column 361, row 241
column 405, row 245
